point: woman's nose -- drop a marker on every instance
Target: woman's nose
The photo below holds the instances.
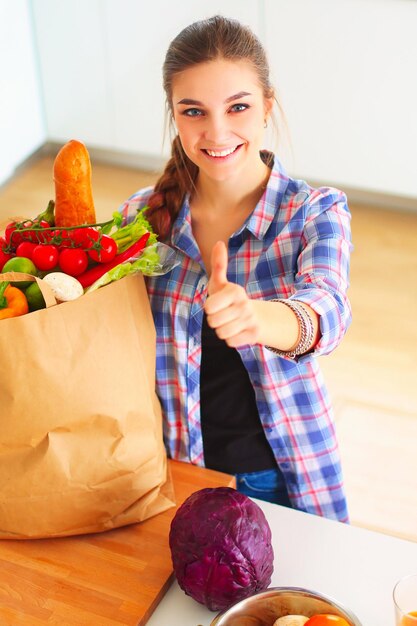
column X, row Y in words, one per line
column 217, row 130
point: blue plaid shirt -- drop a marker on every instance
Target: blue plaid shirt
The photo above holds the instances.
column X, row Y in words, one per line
column 296, row 244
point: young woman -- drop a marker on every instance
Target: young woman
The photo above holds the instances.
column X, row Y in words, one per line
column 260, row 289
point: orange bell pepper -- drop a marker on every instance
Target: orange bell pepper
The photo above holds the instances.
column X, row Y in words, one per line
column 12, row 301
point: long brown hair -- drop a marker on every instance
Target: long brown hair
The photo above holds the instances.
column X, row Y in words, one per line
column 202, row 41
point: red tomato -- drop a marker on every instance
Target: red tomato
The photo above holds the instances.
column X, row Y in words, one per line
column 73, row 261
column 45, row 256
column 326, row 619
column 26, row 249
column 107, row 252
column 27, row 235
column 84, row 237
column 35, row 236
column 43, row 224
column 61, row 238
column 8, row 233
column 4, row 256
column 39, row 235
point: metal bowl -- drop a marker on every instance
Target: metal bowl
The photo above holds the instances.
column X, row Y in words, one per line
column 263, row 608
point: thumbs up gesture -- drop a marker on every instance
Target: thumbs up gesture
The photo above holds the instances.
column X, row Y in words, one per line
column 229, row 309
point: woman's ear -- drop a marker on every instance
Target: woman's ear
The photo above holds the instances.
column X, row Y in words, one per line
column 268, row 106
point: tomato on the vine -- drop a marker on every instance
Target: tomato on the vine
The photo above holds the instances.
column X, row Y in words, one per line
column 45, row 256
column 107, row 251
column 26, row 249
column 326, row 619
column 11, row 238
column 42, row 224
column 60, row 237
column 41, row 236
column 29, row 234
column 4, row 256
column 73, row 261
column 84, row 237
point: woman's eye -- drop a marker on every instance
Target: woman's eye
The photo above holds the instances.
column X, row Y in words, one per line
column 192, row 112
column 236, row 108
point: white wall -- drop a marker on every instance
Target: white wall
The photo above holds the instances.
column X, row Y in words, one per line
column 101, row 64
column 345, row 71
column 347, row 74
column 22, row 128
column 137, row 47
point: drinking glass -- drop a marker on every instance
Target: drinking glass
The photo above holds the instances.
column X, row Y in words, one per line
column 405, row 601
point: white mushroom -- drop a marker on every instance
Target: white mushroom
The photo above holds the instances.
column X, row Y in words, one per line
column 291, row 620
column 64, row 287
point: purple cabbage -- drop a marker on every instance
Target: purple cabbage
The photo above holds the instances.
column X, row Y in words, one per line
column 221, row 548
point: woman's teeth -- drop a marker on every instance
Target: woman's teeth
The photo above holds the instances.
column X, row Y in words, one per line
column 222, row 153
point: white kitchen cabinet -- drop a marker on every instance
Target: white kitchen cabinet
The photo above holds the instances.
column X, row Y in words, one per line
column 22, row 129
column 347, row 73
column 102, row 61
column 72, row 45
column 138, row 35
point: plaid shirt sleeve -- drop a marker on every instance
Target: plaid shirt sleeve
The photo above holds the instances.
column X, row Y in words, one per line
column 322, row 277
column 132, row 205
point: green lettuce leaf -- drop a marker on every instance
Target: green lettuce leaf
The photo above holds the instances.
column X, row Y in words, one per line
column 154, row 260
column 125, row 236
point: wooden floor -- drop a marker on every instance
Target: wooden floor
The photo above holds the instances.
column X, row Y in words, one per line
column 372, row 376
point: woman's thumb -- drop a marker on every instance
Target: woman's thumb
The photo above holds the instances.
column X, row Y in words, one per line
column 218, row 277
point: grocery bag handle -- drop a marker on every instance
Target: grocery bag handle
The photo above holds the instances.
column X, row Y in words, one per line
column 47, row 292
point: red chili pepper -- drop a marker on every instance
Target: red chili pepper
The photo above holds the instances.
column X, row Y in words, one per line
column 90, row 276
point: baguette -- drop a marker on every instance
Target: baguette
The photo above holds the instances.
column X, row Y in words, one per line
column 74, row 204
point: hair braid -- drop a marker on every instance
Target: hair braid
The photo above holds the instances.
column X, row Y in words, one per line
column 177, row 179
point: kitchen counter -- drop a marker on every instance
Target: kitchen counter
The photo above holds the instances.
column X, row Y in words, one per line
column 115, row 578
column 124, row 577
column 356, row 567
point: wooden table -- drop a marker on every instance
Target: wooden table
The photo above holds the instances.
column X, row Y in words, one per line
column 105, row 579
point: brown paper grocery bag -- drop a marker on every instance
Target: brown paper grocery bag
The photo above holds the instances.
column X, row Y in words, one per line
column 81, row 447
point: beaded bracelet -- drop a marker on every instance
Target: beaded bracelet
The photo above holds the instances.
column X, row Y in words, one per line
column 305, row 328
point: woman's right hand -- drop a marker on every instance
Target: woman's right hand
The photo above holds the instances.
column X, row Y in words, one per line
column 229, row 309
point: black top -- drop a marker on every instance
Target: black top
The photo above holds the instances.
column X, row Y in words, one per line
column 233, row 438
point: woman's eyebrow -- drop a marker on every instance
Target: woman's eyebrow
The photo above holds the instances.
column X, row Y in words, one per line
column 236, row 96
column 189, row 101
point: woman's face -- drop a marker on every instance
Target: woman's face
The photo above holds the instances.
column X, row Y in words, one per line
column 219, row 110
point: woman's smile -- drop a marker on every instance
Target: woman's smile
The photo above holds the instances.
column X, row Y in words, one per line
column 221, row 154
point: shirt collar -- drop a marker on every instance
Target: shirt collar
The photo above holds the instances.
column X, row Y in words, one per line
column 265, row 211
column 259, row 220
column 182, row 224
column 182, row 235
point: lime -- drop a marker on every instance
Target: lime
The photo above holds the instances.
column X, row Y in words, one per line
column 20, row 264
column 34, row 297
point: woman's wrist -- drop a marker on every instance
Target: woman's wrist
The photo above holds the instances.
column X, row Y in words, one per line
column 287, row 327
column 305, row 330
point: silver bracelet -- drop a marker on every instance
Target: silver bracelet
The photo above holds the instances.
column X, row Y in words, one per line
column 305, row 330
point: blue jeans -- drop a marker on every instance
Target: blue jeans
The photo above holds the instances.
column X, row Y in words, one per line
column 268, row 485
